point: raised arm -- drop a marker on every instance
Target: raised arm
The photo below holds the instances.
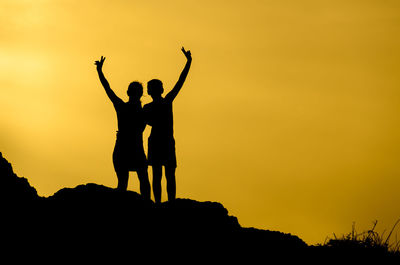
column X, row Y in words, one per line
column 174, row 92
column 113, row 97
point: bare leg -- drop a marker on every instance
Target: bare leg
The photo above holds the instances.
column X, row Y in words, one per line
column 157, row 174
column 171, row 183
column 122, row 176
column 144, row 183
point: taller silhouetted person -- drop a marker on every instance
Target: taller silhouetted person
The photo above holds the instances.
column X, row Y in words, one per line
column 161, row 143
column 128, row 152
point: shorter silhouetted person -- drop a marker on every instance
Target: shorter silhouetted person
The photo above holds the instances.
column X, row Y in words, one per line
column 161, row 142
column 128, row 152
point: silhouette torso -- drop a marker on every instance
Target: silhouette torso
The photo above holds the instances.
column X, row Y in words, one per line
column 130, row 118
column 158, row 115
column 128, row 151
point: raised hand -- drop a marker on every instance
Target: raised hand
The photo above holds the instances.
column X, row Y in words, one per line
column 99, row 64
column 174, row 92
column 187, row 54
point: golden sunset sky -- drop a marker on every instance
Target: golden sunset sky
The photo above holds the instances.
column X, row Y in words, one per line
column 290, row 115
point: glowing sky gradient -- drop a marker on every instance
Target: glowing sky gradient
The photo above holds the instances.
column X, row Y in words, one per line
column 290, row 115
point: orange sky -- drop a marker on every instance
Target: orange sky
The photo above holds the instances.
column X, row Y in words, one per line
column 290, row 115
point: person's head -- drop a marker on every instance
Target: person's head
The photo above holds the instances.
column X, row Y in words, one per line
column 135, row 90
column 155, row 88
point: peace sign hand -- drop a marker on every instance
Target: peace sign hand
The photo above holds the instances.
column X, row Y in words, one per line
column 99, row 64
column 187, row 54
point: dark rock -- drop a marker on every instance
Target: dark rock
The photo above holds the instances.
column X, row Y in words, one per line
column 13, row 189
column 92, row 220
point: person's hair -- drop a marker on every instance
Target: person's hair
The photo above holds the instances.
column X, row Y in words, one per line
column 155, row 87
column 135, row 89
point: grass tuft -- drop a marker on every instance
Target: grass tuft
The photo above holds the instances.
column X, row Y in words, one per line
column 369, row 240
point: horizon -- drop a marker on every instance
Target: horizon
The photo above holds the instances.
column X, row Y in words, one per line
column 289, row 116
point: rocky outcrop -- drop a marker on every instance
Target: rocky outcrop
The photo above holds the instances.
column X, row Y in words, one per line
column 94, row 221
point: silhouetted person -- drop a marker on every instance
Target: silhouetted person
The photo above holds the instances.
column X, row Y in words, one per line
column 161, row 151
column 128, row 152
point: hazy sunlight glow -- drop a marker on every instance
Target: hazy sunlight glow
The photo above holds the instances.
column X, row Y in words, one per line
column 290, row 115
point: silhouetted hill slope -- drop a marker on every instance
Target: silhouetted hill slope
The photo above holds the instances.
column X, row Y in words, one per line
column 96, row 219
column 14, row 189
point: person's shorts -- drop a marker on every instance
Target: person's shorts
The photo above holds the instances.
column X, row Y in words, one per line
column 161, row 152
column 129, row 154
